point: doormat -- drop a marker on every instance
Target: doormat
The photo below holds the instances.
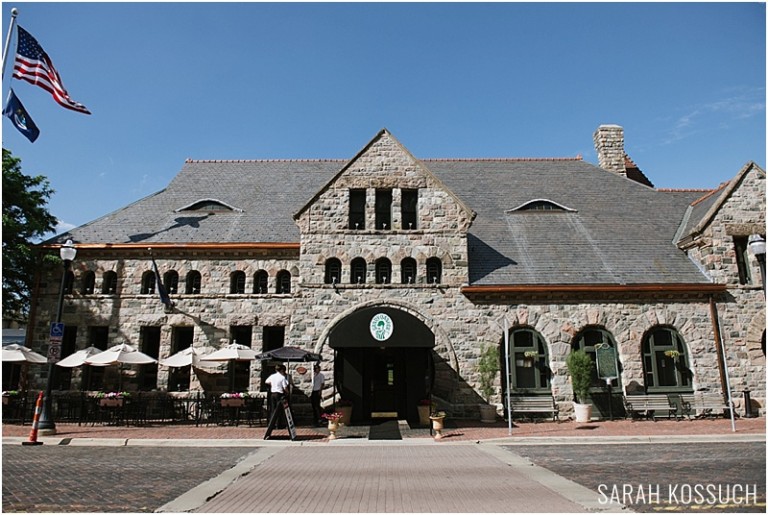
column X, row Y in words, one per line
column 386, row 430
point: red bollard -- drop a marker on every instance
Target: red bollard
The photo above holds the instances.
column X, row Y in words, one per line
column 35, row 421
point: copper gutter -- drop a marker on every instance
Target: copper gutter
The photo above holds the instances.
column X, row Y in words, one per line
column 596, row 288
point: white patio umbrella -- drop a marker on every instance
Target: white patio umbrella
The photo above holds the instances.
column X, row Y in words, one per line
column 187, row 357
column 118, row 355
column 78, row 358
column 15, row 353
column 232, row 352
column 121, row 354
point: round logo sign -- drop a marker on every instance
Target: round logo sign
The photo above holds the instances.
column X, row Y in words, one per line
column 381, row 327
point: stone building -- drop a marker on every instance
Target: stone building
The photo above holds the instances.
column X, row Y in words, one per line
column 399, row 271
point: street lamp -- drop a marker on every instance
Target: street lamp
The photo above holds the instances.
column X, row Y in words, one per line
column 46, row 425
column 756, row 245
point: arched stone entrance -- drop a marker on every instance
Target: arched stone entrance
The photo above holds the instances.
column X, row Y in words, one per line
column 383, row 362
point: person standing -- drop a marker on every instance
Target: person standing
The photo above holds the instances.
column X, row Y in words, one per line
column 317, row 389
column 278, row 388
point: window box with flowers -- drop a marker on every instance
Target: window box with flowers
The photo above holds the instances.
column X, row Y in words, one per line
column 112, row 399
column 674, row 354
column 233, row 400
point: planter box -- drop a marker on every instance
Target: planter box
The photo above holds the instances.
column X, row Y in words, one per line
column 111, row 403
column 233, row 403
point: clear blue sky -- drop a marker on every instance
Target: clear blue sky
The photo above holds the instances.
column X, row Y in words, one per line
column 166, row 82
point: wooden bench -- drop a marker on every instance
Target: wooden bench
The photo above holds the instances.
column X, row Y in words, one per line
column 704, row 405
column 533, row 405
column 650, row 405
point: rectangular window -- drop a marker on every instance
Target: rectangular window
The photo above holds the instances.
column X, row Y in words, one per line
column 62, row 376
column 383, row 209
column 410, row 209
column 93, row 377
column 742, row 259
column 149, row 338
column 357, row 209
column 178, row 377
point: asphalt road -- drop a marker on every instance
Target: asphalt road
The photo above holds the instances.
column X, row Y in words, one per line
column 711, row 478
column 646, row 477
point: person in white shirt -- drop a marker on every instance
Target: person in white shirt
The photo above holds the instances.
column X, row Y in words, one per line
column 278, row 387
column 317, row 388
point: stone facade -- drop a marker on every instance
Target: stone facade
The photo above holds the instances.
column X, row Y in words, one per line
column 462, row 323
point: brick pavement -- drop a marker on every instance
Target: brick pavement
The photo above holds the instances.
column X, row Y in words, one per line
column 456, row 431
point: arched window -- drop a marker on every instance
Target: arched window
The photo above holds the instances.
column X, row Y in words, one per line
column 528, row 362
column 588, row 340
column 358, row 271
column 260, row 280
column 434, row 270
column 193, row 282
column 148, row 282
column 171, row 281
column 383, row 271
column 408, row 271
column 237, row 282
column 109, row 282
column 332, row 271
column 665, row 361
column 89, row 282
column 283, row 282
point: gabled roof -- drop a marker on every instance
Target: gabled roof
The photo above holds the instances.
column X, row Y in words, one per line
column 705, row 208
column 616, row 231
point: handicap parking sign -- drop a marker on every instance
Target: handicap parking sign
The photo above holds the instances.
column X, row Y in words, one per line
column 57, row 332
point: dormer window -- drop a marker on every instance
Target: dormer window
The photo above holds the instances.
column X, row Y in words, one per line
column 357, row 209
column 539, row 205
column 208, row 205
column 383, row 209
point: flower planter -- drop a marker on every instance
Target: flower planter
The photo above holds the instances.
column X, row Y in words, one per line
column 232, row 403
column 487, row 413
column 333, row 426
column 110, row 403
column 582, row 412
column 437, row 426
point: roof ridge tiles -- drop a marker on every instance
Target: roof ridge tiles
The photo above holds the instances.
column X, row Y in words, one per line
column 499, row 159
column 188, row 160
column 449, row 159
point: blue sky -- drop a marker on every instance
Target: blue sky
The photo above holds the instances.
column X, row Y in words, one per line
column 167, row 82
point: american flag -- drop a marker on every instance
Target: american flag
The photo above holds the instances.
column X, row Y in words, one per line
column 34, row 66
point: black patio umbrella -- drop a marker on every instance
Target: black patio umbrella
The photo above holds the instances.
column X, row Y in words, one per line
column 289, row 354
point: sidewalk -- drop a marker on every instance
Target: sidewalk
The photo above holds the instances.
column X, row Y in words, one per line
column 455, row 432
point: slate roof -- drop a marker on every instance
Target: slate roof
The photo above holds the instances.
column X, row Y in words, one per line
column 619, row 232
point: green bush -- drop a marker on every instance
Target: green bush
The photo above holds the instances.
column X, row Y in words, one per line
column 488, row 368
column 581, row 367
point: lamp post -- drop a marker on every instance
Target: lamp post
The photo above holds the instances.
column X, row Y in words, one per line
column 46, row 425
column 756, row 247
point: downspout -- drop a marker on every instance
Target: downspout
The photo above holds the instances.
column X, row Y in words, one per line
column 724, row 379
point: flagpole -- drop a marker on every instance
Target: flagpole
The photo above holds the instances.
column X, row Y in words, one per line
column 14, row 13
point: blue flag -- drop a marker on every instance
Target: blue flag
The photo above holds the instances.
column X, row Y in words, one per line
column 164, row 298
column 20, row 117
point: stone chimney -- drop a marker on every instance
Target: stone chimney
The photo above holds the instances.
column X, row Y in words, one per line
column 609, row 144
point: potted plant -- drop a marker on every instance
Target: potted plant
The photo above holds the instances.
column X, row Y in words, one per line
column 233, row 400
column 333, row 419
column 425, row 408
column 488, row 367
column 530, row 358
column 674, row 354
column 8, row 395
column 113, row 399
column 438, row 423
column 581, row 368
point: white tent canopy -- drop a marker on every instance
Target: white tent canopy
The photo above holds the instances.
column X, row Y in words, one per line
column 231, row 352
column 15, row 353
column 79, row 358
column 187, row 357
column 121, row 354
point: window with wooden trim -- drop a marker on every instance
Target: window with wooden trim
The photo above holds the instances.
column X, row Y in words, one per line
column 358, row 271
column 357, row 209
column 109, row 282
column 740, row 245
column 409, row 209
column 383, row 271
column 237, row 282
column 193, row 283
column 89, row 282
column 383, row 209
column 528, row 362
column 587, row 340
column 260, row 282
column 665, row 361
column 408, row 271
column 283, row 284
column 148, row 282
column 332, row 271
